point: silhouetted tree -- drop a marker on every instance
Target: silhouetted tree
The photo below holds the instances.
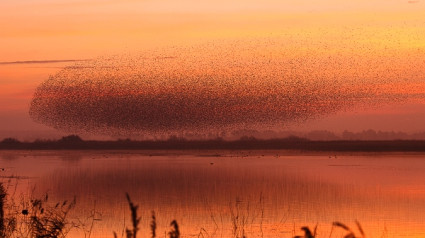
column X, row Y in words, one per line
column 10, row 141
column 71, row 139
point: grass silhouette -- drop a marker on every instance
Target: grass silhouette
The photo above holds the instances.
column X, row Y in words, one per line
column 40, row 220
column 49, row 223
column 153, row 225
column 36, row 219
column 135, row 221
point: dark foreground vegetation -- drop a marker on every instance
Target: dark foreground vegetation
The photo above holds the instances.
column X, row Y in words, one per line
column 290, row 143
column 37, row 219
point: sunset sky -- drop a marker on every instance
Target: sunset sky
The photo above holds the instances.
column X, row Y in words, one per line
column 382, row 41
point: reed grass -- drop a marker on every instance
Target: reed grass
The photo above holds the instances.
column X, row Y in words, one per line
column 307, row 232
column 239, row 221
column 2, row 202
column 49, row 223
column 135, row 220
column 153, row 225
column 39, row 220
column 350, row 232
column 36, row 219
column 175, row 232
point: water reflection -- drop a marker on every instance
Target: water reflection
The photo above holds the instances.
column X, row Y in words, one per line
column 271, row 193
column 9, row 156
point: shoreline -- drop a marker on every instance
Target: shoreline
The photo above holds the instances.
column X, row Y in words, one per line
column 293, row 145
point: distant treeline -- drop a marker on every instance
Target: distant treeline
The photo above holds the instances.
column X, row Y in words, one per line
column 315, row 135
column 74, row 142
column 331, row 136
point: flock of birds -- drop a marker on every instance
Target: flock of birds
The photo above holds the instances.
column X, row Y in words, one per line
column 215, row 87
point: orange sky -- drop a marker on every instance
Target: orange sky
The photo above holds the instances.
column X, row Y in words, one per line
column 388, row 34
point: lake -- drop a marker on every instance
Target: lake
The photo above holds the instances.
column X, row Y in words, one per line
column 226, row 193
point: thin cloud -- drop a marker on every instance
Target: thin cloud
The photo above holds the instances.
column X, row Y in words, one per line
column 42, row 61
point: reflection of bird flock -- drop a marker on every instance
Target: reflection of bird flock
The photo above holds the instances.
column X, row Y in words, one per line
column 210, row 88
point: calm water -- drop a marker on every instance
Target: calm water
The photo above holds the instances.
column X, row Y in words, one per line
column 272, row 193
